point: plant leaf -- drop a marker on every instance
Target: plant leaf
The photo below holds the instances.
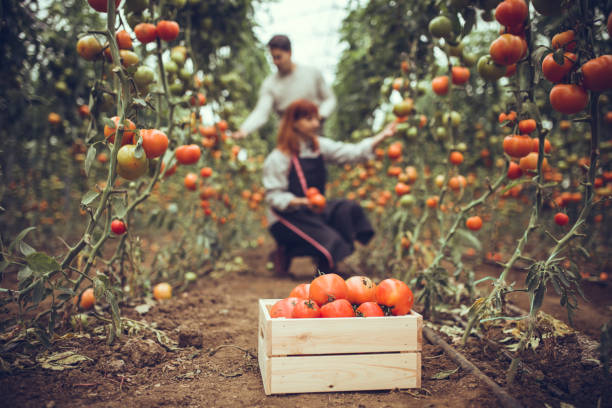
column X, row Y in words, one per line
column 471, row 238
column 89, row 197
column 41, row 262
column 119, row 207
column 24, row 273
column 89, row 159
column 19, row 237
column 25, row 249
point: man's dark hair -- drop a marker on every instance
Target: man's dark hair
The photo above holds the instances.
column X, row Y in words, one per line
column 281, row 42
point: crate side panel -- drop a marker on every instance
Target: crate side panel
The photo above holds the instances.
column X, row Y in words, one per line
column 264, row 363
column 354, row 372
column 340, row 336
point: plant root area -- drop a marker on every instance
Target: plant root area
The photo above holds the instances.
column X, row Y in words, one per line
column 214, row 323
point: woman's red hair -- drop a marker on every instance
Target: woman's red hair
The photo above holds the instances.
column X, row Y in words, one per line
column 288, row 138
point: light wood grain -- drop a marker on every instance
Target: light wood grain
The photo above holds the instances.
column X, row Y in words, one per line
column 352, row 372
column 340, row 335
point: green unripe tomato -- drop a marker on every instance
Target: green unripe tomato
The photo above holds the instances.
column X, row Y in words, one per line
column 412, row 133
column 441, row 27
column 178, row 57
column 171, row 67
column 441, row 132
column 407, row 200
column 136, row 6
column 131, row 162
column 489, row 70
column 176, row 88
column 456, row 50
column 144, row 76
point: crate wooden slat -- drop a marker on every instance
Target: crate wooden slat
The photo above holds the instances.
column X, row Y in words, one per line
column 338, row 354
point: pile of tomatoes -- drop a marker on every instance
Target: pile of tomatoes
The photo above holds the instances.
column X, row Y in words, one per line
column 330, row 295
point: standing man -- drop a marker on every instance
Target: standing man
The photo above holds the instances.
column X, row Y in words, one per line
column 291, row 82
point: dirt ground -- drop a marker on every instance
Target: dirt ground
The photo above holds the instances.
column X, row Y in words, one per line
column 215, row 323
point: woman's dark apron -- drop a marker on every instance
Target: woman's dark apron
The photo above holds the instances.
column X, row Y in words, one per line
column 331, row 233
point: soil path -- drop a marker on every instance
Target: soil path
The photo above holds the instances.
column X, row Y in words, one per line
column 137, row 372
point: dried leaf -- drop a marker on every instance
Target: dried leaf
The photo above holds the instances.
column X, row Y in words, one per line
column 62, row 361
column 442, row 375
column 142, row 309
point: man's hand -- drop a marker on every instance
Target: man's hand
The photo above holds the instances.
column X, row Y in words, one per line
column 239, row 134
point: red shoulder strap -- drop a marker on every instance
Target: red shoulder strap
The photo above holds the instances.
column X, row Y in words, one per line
column 300, row 173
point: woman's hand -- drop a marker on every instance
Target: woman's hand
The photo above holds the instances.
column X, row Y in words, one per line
column 299, row 202
column 387, row 132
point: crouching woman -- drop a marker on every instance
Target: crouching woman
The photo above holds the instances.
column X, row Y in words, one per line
column 297, row 164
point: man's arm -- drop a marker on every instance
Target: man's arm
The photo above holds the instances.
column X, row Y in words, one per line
column 259, row 116
column 328, row 99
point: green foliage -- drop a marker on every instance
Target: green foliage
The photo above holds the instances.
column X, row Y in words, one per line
column 377, row 34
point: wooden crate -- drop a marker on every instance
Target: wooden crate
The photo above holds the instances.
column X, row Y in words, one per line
column 338, row 354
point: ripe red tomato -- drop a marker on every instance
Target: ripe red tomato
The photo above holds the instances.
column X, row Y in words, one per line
column 530, row 162
column 565, row 40
column 507, row 49
column 369, row 309
column 597, row 73
column 396, row 295
column 361, row 289
column 395, row 150
column 474, row 223
column 222, row 125
column 312, row 191
column 456, row 158
column 568, row 98
column 145, row 32
column 535, row 145
column 460, row 75
column 338, row 308
column 154, row 142
column 440, row 85
column 327, row 288
column 118, row 227
column 284, row 308
column 432, row 202
column 514, row 171
column 301, row 291
column 198, row 100
column 206, row 172
column 527, row 126
column 167, row 30
column 402, row 188
column 561, row 219
column 517, row 145
column 191, row 181
column 555, row 72
column 102, row 5
column 128, row 134
column 511, row 12
column 306, row 309
column 124, row 41
column 317, row 201
column 188, row 154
